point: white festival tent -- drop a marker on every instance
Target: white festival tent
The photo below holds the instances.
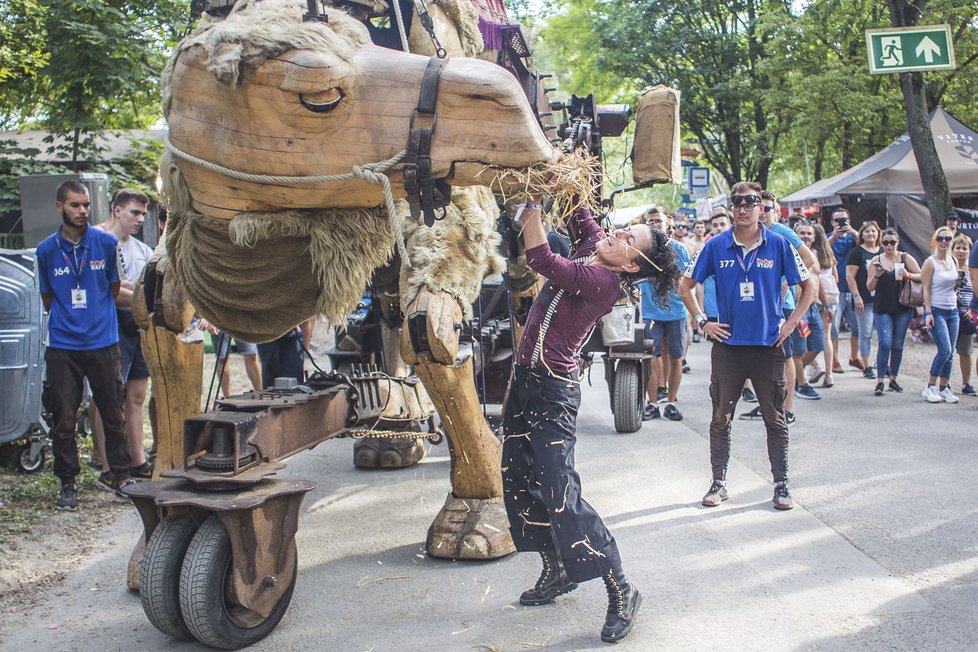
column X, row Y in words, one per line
column 892, row 175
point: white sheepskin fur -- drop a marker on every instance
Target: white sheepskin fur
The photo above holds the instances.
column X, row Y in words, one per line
column 456, row 253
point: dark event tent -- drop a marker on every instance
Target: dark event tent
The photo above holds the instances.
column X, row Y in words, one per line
column 891, row 175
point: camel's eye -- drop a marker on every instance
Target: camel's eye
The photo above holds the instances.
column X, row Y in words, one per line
column 322, row 102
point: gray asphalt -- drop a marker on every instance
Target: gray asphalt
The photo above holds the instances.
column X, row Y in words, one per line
column 879, row 552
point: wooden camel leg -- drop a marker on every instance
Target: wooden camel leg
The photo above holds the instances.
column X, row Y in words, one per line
column 176, row 369
column 472, row 524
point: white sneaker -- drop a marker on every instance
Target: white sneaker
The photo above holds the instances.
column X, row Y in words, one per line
column 947, row 396
column 810, row 370
column 930, row 393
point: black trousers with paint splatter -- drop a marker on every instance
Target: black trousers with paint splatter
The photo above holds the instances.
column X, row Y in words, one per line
column 541, row 489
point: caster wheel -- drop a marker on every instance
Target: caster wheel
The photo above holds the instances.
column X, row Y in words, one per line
column 205, row 590
column 23, row 462
column 159, row 575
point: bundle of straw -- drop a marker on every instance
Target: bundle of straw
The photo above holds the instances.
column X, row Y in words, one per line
column 571, row 181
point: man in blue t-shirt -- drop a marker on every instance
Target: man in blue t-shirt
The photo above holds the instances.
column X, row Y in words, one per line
column 665, row 325
column 78, row 278
column 842, row 239
column 748, row 263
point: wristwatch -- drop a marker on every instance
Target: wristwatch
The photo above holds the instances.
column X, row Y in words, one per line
column 701, row 321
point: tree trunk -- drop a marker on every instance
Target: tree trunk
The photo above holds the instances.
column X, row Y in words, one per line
column 924, row 151
column 819, row 161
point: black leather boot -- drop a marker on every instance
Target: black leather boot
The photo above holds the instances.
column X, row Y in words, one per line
column 553, row 582
column 623, row 603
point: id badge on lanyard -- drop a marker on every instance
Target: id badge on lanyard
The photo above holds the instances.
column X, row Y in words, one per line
column 79, row 295
column 79, row 298
column 747, row 291
column 747, row 287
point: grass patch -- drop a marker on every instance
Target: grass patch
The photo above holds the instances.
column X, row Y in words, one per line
column 28, row 498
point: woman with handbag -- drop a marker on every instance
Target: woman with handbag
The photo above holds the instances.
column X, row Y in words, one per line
column 858, row 270
column 960, row 248
column 939, row 276
column 891, row 270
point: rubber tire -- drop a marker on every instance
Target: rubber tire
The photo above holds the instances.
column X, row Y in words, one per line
column 21, row 459
column 203, row 579
column 159, row 575
column 628, row 399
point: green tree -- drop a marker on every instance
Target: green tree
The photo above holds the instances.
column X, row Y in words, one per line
column 714, row 53
column 101, row 69
column 22, row 51
column 775, row 91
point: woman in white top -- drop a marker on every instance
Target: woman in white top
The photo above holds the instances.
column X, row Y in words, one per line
column 939, row 276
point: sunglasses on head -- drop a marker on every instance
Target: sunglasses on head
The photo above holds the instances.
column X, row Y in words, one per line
column 745, row 200
column 890, row 242
column 944, row 238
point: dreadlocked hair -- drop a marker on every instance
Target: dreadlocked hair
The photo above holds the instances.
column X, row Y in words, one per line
column 658, row 266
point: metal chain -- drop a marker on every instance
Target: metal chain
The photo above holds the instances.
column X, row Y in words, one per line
column 429, row 27
column 364, row 433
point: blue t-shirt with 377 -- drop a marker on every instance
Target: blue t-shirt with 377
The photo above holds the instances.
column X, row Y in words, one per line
column 755, row 321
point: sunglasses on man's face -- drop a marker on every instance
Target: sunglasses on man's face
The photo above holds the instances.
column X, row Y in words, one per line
column 767, row 208
column 745, row 200
column 887, row 243
column 944, row 238
column 681, row 226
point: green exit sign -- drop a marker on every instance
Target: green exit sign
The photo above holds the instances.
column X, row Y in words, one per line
column 906, row 49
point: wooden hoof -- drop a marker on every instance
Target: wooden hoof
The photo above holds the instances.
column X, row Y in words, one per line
column 387, row 452
column 470, row 528
column 132, row 573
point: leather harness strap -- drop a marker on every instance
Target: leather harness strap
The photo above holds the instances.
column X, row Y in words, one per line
column 424, row 193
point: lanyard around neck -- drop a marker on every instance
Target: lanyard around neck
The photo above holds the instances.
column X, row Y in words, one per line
column 78, row 267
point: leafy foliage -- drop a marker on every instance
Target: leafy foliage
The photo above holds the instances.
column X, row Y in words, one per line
column 773, row 91
column 76, row 69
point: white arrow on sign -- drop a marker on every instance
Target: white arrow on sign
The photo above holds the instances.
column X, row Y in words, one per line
column 927, row 48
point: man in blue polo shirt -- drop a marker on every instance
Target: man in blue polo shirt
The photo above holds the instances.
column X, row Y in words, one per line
column 78, row 278
column 748, row 263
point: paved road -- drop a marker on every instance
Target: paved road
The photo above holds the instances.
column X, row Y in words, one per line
column 879, row 553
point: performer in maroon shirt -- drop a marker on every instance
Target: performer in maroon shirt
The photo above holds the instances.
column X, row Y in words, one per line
column 542, row 490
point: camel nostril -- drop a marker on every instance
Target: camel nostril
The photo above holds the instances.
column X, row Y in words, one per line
column 323, row 102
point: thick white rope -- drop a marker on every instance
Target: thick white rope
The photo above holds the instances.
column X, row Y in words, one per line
column 400, row 25
column 369, row 172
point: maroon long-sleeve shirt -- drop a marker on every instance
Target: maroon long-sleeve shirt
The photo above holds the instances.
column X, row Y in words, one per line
column 576, row 296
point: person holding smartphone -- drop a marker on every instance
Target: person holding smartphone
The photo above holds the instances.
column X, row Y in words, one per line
column 960, row 247
column 842, row 239
column 891, row 270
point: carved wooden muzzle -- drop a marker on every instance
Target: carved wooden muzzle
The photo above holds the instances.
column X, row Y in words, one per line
column 309, row 113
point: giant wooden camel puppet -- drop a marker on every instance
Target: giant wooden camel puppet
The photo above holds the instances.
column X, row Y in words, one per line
column 283, row 176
